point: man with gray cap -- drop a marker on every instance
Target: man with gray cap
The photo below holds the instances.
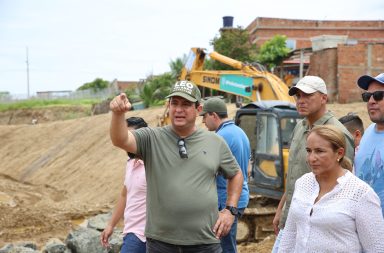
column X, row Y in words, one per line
column 181, row 164
column 311, row 100
column 215, row 118
column 369, row 161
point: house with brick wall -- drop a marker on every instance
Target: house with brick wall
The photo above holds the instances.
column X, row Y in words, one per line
column 341, row 50
column 122, row 86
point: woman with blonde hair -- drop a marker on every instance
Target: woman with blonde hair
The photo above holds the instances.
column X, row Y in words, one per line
column 332, row 210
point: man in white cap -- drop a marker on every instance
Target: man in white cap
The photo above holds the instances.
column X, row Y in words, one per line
column 311, row 100
column 369, row 162
column 181, row 164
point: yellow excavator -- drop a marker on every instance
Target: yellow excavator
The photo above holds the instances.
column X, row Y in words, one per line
column 268, row 120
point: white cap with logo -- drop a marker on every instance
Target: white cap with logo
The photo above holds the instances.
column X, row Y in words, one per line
column 309, row 85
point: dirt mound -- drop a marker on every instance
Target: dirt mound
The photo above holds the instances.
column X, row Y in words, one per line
column 36, row 116
column 55, row 174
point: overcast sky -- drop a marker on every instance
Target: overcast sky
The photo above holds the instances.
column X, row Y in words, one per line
column 71, row 42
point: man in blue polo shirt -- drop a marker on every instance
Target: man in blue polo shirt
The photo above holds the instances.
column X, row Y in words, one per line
column 215, row 118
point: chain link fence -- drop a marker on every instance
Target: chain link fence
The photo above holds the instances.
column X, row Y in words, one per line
column 51, row 95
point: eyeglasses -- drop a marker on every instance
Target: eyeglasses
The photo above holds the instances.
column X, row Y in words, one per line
column 182, row 149
column 377, row 95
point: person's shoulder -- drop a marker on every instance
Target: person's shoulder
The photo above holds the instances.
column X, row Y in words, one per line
column 371, row 128
column 206, row 134
column 306, row 182
column 358, row 187
column 307, row 177
column 331, row 119
column 334, row 121
column 231, row 128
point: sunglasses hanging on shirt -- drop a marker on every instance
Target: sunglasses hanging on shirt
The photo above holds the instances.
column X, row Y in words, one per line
column 182, row 149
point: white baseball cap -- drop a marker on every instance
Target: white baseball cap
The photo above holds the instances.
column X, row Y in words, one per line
column 309, row 85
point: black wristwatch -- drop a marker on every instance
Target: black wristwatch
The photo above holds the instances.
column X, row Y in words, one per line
column 234, row 211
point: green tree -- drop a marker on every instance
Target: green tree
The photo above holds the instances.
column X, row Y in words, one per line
column 273, row 51
column 156, row 88
column 95, row 85
column 234, row 43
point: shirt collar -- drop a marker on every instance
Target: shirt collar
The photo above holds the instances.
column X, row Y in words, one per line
column 320, row 121
column 224, row 124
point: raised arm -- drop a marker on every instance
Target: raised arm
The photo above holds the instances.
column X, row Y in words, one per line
column 119, row 134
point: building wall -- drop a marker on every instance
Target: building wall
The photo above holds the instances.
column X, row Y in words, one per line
column 355, row 61
column 324, row 64
column 341, row 67
column 262, row 29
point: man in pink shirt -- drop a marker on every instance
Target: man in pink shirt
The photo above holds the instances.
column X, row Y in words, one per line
column 131, row 203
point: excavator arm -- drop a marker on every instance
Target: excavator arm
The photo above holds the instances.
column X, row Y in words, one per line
column 245, row 80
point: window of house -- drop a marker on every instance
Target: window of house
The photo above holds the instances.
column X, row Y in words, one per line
column 290, row 44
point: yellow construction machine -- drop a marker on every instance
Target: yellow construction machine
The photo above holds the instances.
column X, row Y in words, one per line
column 268, row 120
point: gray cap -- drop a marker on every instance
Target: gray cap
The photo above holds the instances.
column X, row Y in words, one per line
column 187, row 90
column 216, row 105
column 309, row 85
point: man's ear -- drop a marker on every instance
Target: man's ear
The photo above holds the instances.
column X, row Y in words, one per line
column 199, row 108
column 324, row 98
column 357, row 134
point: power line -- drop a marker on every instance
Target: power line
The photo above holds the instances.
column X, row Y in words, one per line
column 27, row 74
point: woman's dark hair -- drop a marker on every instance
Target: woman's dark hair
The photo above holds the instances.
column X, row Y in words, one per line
column 136, row 122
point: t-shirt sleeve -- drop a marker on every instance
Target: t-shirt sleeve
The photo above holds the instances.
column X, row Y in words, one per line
column 143, row 143
column 228, row 165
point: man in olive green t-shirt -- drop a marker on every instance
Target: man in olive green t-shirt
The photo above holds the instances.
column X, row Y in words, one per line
column 181, row 164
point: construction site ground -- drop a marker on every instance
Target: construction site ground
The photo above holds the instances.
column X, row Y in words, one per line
column 56, row 173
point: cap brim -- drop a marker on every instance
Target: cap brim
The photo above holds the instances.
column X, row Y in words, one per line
column 293, row 90
column 183, row 95
column 202, row 113
column 365, row 80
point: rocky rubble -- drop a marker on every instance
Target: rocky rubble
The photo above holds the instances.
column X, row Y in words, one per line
column 84, row 239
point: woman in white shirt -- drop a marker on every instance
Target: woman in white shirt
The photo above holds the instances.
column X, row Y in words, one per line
column 332, row 210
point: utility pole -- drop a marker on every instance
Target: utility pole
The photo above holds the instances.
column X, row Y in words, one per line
column 27, row 74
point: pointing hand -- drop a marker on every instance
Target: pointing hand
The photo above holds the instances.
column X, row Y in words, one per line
column 120, row 104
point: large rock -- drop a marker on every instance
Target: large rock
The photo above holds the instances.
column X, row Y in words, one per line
column 20, row 248
column 99, row 222
column 55, row 245
column 85, row 240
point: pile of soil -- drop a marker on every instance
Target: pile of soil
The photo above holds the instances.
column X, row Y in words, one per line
column 57, row 173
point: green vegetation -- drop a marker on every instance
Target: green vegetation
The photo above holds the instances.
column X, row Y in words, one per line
column 43, row 103
column 156, row 88
column 95, row 85
column 273, row 51
column 177, row 65
column 235, row 44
